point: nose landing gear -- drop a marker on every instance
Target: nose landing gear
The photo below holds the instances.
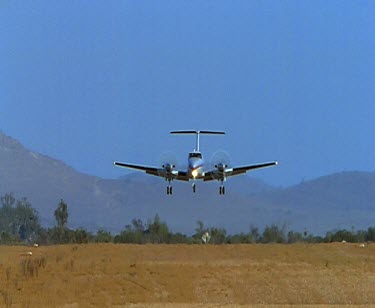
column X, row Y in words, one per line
column 193, row 187
column 222, row 188
column 169, row 187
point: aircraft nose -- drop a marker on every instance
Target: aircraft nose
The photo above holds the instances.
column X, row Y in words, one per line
column 194, row 165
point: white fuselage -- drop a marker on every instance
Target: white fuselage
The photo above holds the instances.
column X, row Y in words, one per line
column 195, row 165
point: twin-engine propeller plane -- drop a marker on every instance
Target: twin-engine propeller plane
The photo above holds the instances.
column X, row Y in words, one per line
column 195, row 170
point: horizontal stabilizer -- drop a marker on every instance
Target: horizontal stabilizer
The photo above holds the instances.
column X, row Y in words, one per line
column 197, row 133
column 210, row 132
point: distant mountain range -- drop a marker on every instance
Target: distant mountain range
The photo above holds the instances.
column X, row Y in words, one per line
column 341, row 200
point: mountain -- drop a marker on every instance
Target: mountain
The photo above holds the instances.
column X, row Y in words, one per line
column 340, row 200
column 335, row 201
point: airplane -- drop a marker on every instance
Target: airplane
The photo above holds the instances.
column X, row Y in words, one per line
column 195, row 170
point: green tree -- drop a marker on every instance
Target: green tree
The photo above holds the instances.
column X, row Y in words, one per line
column 103, row 236
column 133, row 233
column 81, row 236
column 26, row 220
column 18, row 219
column 179, row 238
column 295, row 237
column 343, row 235
column 238, row 238
column 61, row 214
column 158, row 231
column 137, row 225
column 370, row 236
column 8, row 200
column 199, row 231
column 361, row 235
column 273, row 234
column 7, row 214
column 218, row 235
column 61, row 234
column 8, row 239
column 329, row 237
column 254, row 234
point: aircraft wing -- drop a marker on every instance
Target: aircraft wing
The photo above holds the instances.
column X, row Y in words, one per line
column 147, row 169
column 244, row 169
column 215, row 174
column 174, row 174
column 182, row 176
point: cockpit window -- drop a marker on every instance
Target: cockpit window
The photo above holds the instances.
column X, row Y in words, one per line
column 198, row 155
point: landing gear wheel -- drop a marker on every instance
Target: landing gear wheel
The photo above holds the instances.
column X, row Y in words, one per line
column 193, row 188
column 169, row 190
column 222, row 190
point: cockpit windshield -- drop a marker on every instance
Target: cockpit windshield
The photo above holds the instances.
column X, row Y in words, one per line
column 195, row 154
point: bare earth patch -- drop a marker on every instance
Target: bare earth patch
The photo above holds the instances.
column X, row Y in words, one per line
column 109, row 275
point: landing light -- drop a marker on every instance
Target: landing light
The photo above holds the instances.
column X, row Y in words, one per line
column 194, row 173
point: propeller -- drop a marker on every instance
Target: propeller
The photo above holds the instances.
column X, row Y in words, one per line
column 168, row 161
column 220, row 160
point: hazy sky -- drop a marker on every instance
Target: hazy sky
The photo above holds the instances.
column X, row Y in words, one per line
column 89, row 82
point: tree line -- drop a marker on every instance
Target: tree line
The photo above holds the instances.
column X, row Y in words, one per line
column 20, row 224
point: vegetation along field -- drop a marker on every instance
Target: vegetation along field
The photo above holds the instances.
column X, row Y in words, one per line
column 110, row 275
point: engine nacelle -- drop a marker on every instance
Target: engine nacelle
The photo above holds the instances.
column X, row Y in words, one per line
column 221, row 167
column 168, row 167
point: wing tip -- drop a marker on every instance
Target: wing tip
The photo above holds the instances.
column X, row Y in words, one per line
column 117, row 164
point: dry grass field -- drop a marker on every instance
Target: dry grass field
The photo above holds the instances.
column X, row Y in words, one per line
column 109, row 275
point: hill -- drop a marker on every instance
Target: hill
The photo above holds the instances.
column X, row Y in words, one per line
column 340, row 200
column 335, row 201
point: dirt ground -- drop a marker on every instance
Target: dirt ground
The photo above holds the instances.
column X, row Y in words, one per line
column 114, row 275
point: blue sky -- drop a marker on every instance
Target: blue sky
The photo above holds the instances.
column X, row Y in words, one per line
column 89, row 82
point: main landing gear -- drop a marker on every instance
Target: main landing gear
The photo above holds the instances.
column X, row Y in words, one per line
column 222, row 190
column 169, row 190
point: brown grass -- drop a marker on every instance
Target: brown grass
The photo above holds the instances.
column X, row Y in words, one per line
column 108, row 275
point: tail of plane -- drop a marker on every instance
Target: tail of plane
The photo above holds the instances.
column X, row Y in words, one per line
column 197, row 133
